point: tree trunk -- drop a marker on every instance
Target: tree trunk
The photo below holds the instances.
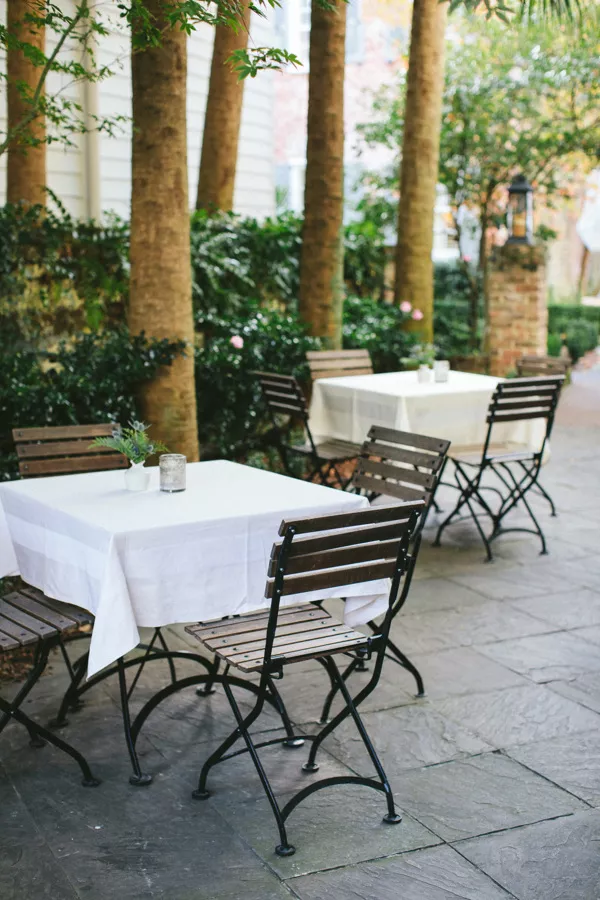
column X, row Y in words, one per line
column 218, row 160
column 420, row 157
column 321, row 260
column 160, row 285
column 26, row 155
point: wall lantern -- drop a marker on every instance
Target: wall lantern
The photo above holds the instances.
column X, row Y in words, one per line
column 520, row 211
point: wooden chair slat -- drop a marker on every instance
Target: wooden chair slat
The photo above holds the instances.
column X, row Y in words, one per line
column 344, row 556
column 387, row 470
column 66, row 433
column 354, row 519
column 305, row 546
column 60, row 448
column 7, row 642
column 387, row 488
column 16, row 615
column 20, row 634
column 498, row 418
column 406, row 438
column 539, row 382
column 544, row 402
column 542, row 365
column 250, row 640
column 402, row 454
column 340, row 373
column 329, row 578
column 65, row 610
column 316, row 355
column 241, row 624
column 329, row 638
column 72, row 465
column 41, row 611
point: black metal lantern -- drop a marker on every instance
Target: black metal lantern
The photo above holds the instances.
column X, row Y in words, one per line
column 520, row 211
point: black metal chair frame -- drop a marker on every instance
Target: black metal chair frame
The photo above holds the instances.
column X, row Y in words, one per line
column 424, row 458
column 48, row 638
column 336, row 547
column 518, row 399
column 283, row 396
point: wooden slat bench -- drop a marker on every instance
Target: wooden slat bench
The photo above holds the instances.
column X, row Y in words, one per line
column 335, row 363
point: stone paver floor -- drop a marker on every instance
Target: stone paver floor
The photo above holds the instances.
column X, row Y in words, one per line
column 497, row 771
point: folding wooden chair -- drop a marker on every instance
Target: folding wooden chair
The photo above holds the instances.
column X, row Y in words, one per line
column 62, row 451
column 516, row 470
column 335, row 363
column 315, row 553
column 39, row 624
column 287, row 406
column 531, row 366
column 408, row 467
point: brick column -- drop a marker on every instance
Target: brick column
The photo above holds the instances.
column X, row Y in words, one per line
column 517, row 305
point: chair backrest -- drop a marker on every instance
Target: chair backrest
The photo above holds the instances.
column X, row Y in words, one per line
column 520, row 399
column 400, row 464
column 339, row 550
column 334, row 363
column 541, row 365
column 60, row 451
column 282, row 394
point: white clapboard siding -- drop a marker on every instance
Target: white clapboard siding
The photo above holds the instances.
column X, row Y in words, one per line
column 68, row 168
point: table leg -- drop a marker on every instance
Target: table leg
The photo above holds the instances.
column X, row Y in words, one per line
column 139, row 778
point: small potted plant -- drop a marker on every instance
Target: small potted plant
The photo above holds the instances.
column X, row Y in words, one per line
column 134, row 443
column 422, row 356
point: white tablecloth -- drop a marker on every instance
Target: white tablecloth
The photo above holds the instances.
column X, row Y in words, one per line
column 152, row 559
column 347, row 407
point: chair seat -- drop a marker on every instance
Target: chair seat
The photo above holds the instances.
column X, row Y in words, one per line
column 28, row 616
column 303, row 632
column 471, row 456
column 330, row 449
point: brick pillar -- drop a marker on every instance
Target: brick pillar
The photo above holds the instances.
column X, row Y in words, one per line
column 517, row 306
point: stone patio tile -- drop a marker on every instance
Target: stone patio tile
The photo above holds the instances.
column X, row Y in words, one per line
column 567, row 609
column 490, row 621
column 462, row 670
column 584, row 690
column 438, row 873
column 546, row 657
column 431, row 594
column 591, row 634
column 27, row 866
column 518, row 715
column 336, row 826
column 556, row 860
column 405, row 738
column 514, row 582
column 573, row 762
column 464, row 798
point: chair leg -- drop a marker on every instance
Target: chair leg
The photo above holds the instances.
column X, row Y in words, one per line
column 207, row 689
column 69, row 700
column 353, row 667
column 404, row 661
column 391, row 817
column 291, row 740
column 284, row 848
column 161, row 639
column 138, row 778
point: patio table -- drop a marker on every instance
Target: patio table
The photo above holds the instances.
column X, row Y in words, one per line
column 345, row 408
column 154, row 559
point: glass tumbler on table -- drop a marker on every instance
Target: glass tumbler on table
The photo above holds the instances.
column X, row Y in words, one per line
column 172, row 472
column 441, row 370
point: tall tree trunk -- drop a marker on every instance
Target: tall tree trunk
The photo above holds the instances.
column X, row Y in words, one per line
column 160, row 286
column 321, row 261
column 218, row 160
column 420, row 157
column 26, row 155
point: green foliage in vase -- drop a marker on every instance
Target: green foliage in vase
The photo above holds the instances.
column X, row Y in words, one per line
column 133, row 442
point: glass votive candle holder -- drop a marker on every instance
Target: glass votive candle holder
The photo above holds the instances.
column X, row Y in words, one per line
column 172, row 472
column 441, row 370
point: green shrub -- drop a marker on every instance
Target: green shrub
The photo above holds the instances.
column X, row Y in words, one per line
column 92, row 378
column 580, row 336
column 377, row 327
column 554, row 344
column 561, row 313
column 364, row 259
column 233, row 419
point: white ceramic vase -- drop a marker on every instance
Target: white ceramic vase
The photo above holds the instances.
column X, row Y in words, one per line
column 423, row 374
column 137, row 477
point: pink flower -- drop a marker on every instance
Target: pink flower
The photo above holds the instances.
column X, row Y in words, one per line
column 417, row 315
column 237, row 342
column 466, row 258
column 405, row 307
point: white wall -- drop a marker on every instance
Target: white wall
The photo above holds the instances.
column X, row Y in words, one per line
column 68, row 167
